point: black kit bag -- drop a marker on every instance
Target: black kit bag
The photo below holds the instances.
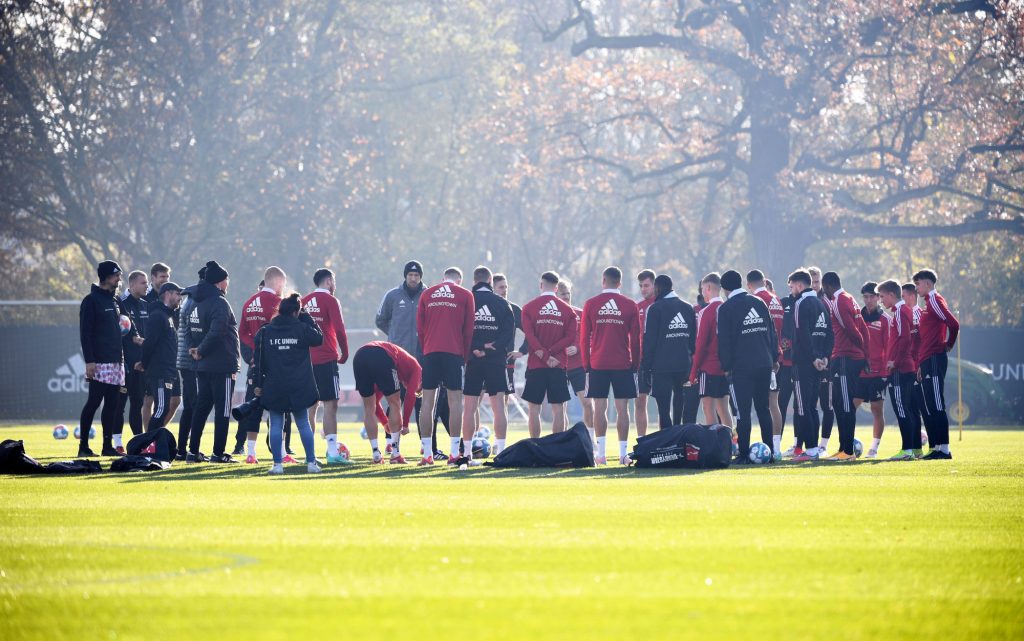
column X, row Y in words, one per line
column 14, row 460
column 157, row 444
column 685, row 446
column 135, row 463
column 571, row 448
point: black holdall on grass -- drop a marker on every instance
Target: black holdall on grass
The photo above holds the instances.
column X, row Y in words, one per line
column 157, row 444
column 685, row 446
column 14, row 460
column 571, row 448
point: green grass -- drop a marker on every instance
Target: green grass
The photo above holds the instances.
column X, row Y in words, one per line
column 864, row 551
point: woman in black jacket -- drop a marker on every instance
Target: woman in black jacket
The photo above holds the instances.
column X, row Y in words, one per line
column 284, row 375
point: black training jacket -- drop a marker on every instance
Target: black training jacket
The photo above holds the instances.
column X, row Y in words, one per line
column 137, row 309
column 282, row 368
column 812, row 329
column 218, row 331
column 746, row 333
column 185, row 309
column 494, row 322
column 160, row 351
column 99, row 328
column 670, row 336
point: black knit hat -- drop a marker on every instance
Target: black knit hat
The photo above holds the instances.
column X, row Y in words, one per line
column 107, row 268
column 731, row 280
column 215, row 273
column 413, row 266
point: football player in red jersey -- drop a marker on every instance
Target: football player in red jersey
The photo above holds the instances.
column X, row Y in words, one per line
column 645, row 279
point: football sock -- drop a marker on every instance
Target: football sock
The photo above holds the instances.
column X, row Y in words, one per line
column 777, row 443
column 250, row 448
column 943, row 448
column 499, row 445
column 600, row 445
column 332, row 445
column 622, row 448
column 454, row 453
column 591, row 431
column 395, row 438
column 875, row 442
column 117, row 440
column 823, row 445
column 373, row 445
column 427, row 445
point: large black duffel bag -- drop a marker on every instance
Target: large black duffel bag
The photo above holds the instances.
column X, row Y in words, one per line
column 571, row 448
column 157, row 444
column 685, row 446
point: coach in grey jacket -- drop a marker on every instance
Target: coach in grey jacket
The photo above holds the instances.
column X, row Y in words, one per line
column 396, row 316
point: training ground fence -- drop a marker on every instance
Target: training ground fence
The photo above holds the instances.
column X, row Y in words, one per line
column 42, row 375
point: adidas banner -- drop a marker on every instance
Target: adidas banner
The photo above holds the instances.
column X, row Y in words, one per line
column 43, row 374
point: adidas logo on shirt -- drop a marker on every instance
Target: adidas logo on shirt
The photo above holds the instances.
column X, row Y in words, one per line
column 312, row 307
column 484, row 314
column 550, row 309
column 678, row 322
column 609, row 309
column 70, row 377
column 255, row 307
column 443, row 292
column 822, row 323
column 752, row 318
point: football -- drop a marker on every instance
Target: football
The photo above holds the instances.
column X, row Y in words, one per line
column 481, row 448
column 484, row 432
column 362, row 434
column 78, row 432
column 759, row 453
column 858, row 448
column 60, row 432
column 344, row 452
column 125, row 323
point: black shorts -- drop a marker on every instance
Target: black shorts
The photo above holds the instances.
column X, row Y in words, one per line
column 711, row 385
column 871, row 389
column 485, row 375
column 547, row 382
column 328, row 385
column 620, row 382
column 170, row 384
column 374, row 368
column 442, row 368
column 578, row 379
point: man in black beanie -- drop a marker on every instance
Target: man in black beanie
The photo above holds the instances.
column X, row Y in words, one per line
column 748, row 349
column 215, row 350
column 100, row 332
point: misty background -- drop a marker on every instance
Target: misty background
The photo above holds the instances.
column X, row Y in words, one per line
column 873, row 138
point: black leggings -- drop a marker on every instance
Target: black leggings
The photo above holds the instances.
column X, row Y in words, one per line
column 110, row 397
column 806, row 383
column 215, row 391
column 135, row 386
column 189, row 395
column 751, row 387
column 828, row 416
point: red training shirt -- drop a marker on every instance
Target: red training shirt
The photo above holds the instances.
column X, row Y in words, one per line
column 326, row 312
column 611, row 332
column 550, row 325
column 444, row 319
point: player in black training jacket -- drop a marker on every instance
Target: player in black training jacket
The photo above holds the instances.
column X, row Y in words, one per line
column 670, row 336
column 812, row 348
column 748, row 350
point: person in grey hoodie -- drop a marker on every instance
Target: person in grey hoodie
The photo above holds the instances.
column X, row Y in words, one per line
column 396, row 316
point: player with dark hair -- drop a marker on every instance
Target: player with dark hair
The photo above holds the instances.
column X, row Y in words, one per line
column 611, row 355
column 133, row 394
column 159, row 354
column 873, row 379
column 902, row 370
column 757, row 285
column 748, row 351
column 494, row 328
column 670, row 335
column 938, row 332
column 812, row 348
column 323, row 307
column 849, row 357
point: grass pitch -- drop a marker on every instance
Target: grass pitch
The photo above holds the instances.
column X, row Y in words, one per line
column 926, row 549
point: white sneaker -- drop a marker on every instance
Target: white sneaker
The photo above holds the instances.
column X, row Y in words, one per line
column 277, row 468
column 314, row 468
column 378, row 457
column 789, row 453
column 625, row 460
column 871, row 454
column 474, row 463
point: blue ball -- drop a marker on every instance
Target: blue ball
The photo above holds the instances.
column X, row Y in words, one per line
column 481, row 448
column 759, row 453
